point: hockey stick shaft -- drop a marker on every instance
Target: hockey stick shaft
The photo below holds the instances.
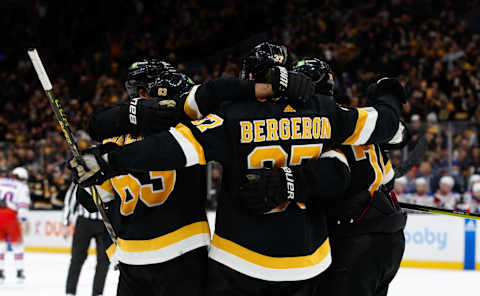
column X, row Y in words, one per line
column 456, row 213
column 67, row 132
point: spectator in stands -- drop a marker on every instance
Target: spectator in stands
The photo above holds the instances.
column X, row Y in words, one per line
column 421, row 196
column 445, row 197
column 399, row 189
column 425, row 171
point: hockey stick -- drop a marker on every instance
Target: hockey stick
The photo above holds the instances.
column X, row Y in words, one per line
column 456, row 213
column 67, row 132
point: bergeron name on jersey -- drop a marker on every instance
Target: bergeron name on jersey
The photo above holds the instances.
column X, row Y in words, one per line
column 294, row 128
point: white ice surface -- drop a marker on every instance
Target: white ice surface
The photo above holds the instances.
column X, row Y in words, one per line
column 46, row 275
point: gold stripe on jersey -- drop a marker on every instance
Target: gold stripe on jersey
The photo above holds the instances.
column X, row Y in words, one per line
column 111, row 250
column 366, row 122
column 388, row 173
column 269, row 268
column 362, row 118
column 164, row 240
column 190, row 107
column 269, row 261
column 163, row 248
column 192, row 149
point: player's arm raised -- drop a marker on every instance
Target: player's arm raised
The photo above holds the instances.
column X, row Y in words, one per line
column 265, row 189
column 372, row 125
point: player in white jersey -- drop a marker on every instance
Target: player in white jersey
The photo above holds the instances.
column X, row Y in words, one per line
column 445, row 197
column 421, row 196
column 14, row 204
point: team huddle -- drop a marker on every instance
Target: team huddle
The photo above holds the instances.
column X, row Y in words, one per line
column 305, row 206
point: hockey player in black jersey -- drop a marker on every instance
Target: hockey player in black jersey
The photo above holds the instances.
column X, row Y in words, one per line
column 365, row 225
column 251, row 135
column 158, row 215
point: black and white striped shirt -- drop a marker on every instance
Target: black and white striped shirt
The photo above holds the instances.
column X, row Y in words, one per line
column 74, row 209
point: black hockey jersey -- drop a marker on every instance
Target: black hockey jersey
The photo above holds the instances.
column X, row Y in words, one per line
column 280, row 246
column 158, row 215
column 369, row 166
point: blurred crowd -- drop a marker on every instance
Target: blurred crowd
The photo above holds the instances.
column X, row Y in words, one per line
column 433, row 46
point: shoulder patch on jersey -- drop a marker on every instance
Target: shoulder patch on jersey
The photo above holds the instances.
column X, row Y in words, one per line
column 289, row 108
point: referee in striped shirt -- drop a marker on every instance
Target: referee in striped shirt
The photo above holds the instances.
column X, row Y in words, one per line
column 87, row 226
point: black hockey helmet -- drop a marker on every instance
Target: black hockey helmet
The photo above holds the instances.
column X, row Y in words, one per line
column 143, row 72
column 169, row 84
column 262, row 57
column 320, row 73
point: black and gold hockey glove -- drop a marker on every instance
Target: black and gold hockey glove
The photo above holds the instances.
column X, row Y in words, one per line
column 95, row 168
column 265, row 189
column 290, row 86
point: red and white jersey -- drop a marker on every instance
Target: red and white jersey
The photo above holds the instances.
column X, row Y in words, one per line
column 448, row 201
column 425, row 199
column 16, row 195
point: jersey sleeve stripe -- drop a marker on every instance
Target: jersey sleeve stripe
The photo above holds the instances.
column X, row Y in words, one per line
column 190, row 107
column 192, row 149
column 334, row 153
column 366, row 122
column 389, row 173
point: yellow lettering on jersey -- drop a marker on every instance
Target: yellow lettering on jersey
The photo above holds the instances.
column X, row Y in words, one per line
column 153, row 197
column 294, row 128
column 317, row 127
column 301, row 152
column 326, row 129
column 307, row 128
column 208, row 122
column 296, row 121
column 272, row 130
column 360, row 153
column 284, row 129
column 259, row 126
column 122, row 185
column 260, row 155
column 246, row 131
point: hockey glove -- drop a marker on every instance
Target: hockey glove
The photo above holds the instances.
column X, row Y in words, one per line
column 387, row 86
column 153, row 115
column 265, row 189
column 290, row 86
column 95, row 168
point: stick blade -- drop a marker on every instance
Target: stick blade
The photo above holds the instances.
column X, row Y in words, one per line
column 37, row 64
